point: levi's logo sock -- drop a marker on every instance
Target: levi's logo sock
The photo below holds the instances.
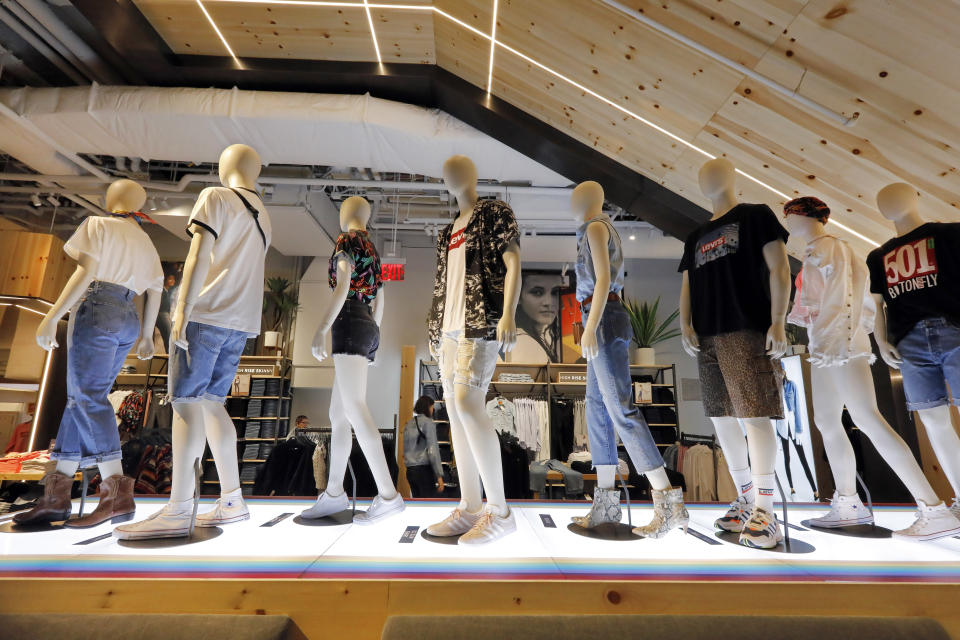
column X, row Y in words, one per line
column 765, row 486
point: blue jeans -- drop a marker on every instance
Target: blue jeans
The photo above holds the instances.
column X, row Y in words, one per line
column 207, row 369
column 610, row 408
column 102, row 331
column 931, row 361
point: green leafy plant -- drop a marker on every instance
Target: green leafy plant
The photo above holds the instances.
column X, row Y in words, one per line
column 279, row 304
column 647, row 331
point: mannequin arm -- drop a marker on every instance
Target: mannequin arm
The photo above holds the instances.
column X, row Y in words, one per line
column 598, row 237
column 775, row 255
column 195, row 270
column 888, row 352
column 689, row 339
column 378, row 305
column 71, row 294
column 507, row 327
column 148, row 320
column 340, row 292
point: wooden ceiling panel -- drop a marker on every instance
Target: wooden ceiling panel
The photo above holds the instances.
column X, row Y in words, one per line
column 405, row 35
column 182, row 26
column 476, row 13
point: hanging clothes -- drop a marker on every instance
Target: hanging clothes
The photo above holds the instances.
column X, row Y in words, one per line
column 288, row 471
column 699, row 471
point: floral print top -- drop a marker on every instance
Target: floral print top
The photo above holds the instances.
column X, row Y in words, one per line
column 490, row 231
column 366, row 278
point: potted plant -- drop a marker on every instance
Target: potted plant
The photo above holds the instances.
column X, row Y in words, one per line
column 279, row 305
column 647, row 331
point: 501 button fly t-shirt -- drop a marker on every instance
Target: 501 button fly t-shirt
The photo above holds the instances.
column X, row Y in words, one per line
column 729, row 279
column 918, row 275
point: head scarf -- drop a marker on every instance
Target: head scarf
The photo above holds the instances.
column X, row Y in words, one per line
column 808, row 206
column 139, row 216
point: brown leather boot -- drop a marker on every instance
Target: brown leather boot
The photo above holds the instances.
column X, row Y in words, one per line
column 54, row 506
column 116, row 504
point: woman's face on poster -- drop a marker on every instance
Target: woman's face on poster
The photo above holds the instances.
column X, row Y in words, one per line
column 540, row 298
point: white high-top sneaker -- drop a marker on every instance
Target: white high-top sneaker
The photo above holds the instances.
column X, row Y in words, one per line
column 173, row 521
column 932, row 523
column 845, row 511
column 955, row 508
column 229, row 508
column 380, row 509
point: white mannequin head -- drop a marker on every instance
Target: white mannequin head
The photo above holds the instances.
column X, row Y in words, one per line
column 897, row 200
column 239, row 166
column 717, row 177
column 586, row 201
column 354, row 214
column 804, row 227
column 125, row 196
column 459, row 175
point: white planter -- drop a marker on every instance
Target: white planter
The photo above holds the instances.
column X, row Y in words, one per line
column 643, row 356
column 271, row 339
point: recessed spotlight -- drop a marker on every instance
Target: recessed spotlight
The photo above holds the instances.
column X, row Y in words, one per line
column 633, row 236
column 152, row 204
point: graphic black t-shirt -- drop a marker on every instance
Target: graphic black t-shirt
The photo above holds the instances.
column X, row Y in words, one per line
column 918, row 275
column 729, row 279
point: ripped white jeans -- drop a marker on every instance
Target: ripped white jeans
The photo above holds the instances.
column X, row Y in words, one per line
column 466, row 361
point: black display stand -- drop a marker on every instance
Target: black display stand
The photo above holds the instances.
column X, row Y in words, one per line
column 612, row 531
column 336, row 519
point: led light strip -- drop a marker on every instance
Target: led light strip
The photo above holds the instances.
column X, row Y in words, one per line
column 219, row 35
column 373, row 33
column 495, row 43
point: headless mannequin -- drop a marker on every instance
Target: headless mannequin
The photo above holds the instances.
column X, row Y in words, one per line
column 239, row 167
column 898, row 203
column 123, row 196
column 587, row 204
column 475, row 441
column 717, row 182
column 851, row 385
column 348, row 404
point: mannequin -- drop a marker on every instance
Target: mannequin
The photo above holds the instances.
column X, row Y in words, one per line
column 913, row 281
column 116, row 262
column 472, row 317
column 835, row 306
column 355, row 324
column 610, row 408
column 218, row 309
column 723, row 327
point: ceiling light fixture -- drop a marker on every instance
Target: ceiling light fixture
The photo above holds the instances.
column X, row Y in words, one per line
column 495, row 43
column 219, row 35
column 633, row 236
column 35, row 200
column 493, row 46
column 373, row 33
column 20, row 306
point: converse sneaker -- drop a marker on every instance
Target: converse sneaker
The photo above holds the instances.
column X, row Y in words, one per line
column 955, row 508
column 762, row 531
column 845, row 511
column 489, row 527
column 455, row 524
column 932, row 523
column 380, row 509
column 605, row 508
column 735, row 517
column 229, row 508
column 326, row 505
column 173, row 521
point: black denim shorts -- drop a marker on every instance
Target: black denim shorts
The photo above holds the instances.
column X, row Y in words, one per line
column 355, row 332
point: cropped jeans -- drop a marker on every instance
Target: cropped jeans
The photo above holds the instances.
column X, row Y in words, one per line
column 610, row 408
column 101, row 333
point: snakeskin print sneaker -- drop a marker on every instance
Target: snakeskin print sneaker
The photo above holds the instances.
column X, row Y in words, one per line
column 606, row 508
column 668, row 514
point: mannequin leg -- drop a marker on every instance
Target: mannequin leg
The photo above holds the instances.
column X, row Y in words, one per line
column 785, row 445
column 762, row 443
column 187, row 445
column 68, row 467
column 353, row 395
column 108, row 469
column 606, row 475
column 734, row 446
column 222, row 438
column 484, row 444
column 827, row 411
column 946, row 444
column 468, row 473
column 341, row 442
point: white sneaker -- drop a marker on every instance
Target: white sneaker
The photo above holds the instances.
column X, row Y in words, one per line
column 932, row 523
column 955, row 508
column 455, row 524
column 845, row 511
column 736, row 516
column 489, row 527
column 229, row 508
column 169, row 522
column 326, row 505
column 381, row 509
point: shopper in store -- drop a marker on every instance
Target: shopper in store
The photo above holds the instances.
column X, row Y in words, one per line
column 606, row 346
column 733, row 305
column 219, row 307
column 421, row 453
column 915, row 282
column 834, row 303
column 353, row 322
column 472, row 318
column 116, row 262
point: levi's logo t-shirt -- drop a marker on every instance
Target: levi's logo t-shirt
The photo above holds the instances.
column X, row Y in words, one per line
column 718, row 243
column 454, row 314
column 917, row 275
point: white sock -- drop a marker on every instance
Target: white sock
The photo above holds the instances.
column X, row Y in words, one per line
column 110, row 469
column 765, row 486
column 606, row 476
column 744, row 483
column 68, row 467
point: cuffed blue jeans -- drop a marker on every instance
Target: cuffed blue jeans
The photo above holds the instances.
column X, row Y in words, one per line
column 610, row 408
column 102, row 331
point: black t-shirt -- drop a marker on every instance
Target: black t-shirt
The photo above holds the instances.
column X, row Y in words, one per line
column 729, row 279
column 918, row 275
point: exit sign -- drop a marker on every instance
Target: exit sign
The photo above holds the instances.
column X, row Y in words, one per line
column 393, row 271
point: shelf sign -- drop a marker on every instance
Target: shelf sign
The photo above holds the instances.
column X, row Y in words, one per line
column 257, row 369
column 393, row 271
column 572, row 376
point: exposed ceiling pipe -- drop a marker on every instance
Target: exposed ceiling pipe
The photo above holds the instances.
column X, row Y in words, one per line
column 44, row 34
column 745, row 70
column 66, row 153
column 12, row 64
column 11, row 21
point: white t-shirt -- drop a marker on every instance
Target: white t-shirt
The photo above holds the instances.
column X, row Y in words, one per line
column 232, row 296
column 454, row 309
column 124, row 252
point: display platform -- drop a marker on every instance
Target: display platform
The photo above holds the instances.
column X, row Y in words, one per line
column 273, row 563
